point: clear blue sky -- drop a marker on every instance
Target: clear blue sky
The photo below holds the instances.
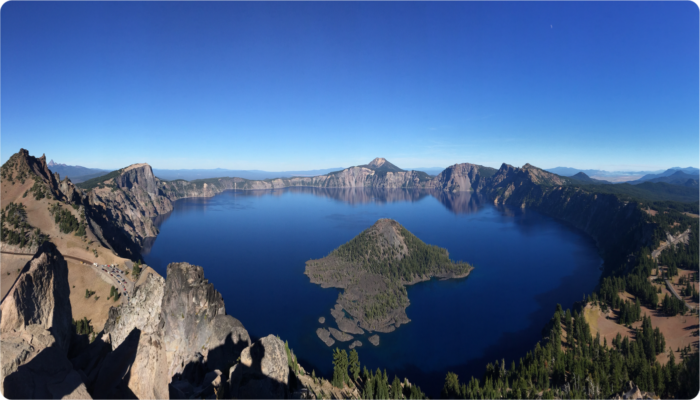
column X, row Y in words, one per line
column 281, row 86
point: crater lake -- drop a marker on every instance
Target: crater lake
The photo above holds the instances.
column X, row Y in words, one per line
column 253, row 246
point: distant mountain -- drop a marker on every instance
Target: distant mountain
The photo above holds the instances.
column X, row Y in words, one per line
column 75, row 173
column 582, row 177
column 566, row 171
column 192, row 174
column 381, row 165
column 675, row 175
column 432, row 171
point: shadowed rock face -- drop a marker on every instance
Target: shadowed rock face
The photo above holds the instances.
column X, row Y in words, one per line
column 168, row 340
column 263, row 371
column 148, row 368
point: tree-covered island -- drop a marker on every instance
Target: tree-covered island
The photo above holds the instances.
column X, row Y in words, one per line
column 374, row 269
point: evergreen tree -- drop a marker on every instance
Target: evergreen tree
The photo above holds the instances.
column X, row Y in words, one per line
column 340, row 368
column 354, row 364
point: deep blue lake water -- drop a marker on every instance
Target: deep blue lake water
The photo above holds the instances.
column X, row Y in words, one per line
column 253, row 246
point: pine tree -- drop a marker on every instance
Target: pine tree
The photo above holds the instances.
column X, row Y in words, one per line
column 340, row 368
column 354, row 365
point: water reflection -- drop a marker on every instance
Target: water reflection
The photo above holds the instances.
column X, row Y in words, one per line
column 457, row 203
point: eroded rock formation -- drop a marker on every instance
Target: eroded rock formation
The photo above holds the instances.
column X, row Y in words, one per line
column 263, row 371
column 36, row 330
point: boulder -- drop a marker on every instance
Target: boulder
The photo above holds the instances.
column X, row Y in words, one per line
column 262, row 372
column 322, row 320
column 374, row 339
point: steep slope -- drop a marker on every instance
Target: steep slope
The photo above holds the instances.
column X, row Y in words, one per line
column 619, row 227
column 373, row 269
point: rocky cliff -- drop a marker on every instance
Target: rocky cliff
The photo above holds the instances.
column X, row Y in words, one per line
column 618, row 227
column 173, row 339
column 36, row 331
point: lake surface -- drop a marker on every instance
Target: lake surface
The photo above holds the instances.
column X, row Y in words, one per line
column 253, row 246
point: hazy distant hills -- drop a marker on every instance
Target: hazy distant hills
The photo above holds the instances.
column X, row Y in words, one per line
column 75, row 173
column 582, row 177
column 676, row 176
column 611, row 176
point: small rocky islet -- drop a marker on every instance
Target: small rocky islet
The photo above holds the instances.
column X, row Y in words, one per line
column 373, row 269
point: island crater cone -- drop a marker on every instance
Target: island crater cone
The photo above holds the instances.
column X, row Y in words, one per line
column 374, row 269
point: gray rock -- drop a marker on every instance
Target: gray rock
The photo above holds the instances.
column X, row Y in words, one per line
column 195, row 322
column 36, row 330
column 340, row 336
column 263, row 371
column 40, row 296
column 322, row 320
column 141, row 316
column 345, row 324
column 354, row 344
column 169, row 339
column 374, row 339
column 325, row 336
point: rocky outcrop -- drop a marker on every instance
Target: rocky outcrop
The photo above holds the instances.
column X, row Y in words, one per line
column 199, row 337
column 263, row 371
column 632, row 391
column 374, row 339
column 40, row 297
column 354, row 344
column 36, row 330
column 141, row 316
column 461, row 178
column 172, row 339
column 129, row 202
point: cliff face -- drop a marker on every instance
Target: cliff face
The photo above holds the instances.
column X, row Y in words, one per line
column 199, row 336
column 460, row 178
column 125, row 207
column 618, row 227
column 40, row 297
column 172, row 339
column 36, row 330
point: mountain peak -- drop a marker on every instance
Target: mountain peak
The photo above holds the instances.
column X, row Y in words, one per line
column 378, row 162
column 51, row 163
column 382, row 166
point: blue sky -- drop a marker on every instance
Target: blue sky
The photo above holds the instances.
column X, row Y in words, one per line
column 282, row 86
